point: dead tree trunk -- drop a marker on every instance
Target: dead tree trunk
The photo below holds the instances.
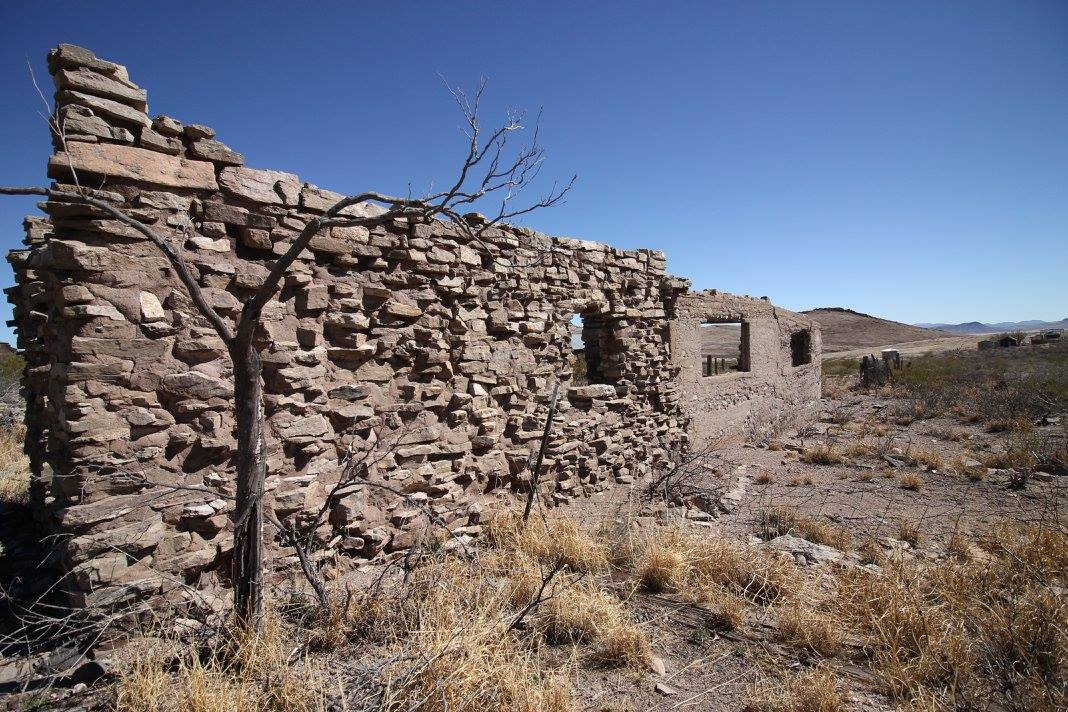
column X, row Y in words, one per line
column 251, row 473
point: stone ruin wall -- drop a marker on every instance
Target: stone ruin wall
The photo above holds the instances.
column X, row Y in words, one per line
column 774, row 391
column 439, row 352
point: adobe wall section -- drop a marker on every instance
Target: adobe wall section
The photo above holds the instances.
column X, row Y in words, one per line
column 441, row 353
column 773, row 392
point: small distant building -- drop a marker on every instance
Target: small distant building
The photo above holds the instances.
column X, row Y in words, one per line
column 1053, row 335
column 1007, row 340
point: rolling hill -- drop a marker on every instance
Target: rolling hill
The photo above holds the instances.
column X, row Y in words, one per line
column 845, row 329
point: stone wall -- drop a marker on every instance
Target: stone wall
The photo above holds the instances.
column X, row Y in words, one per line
column 437, row 353
column 772, row 393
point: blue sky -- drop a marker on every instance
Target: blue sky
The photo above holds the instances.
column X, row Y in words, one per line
column 906, row 159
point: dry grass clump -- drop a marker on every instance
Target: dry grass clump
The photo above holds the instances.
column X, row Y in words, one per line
column 811, row 691
column 870, row 552
column 973, row 473
column 799, row 480
column 550, row 541
column 858, row 449
column 14, row 466
column 969, row 633
column 912, row 481
column 1013, row 457
column 244, row 672
column 822, row 454
column 781, row 521
column 1000, row 425
column 804, row 626
column 715, row 570
column 948, row 434
column 763, row 478
column 925, row 458
column 908, row 531
column 454, row 617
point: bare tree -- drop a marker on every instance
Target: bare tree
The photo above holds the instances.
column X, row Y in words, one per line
column 490, row 171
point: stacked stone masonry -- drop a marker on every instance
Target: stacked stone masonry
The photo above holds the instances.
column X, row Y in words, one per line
column 439, row 352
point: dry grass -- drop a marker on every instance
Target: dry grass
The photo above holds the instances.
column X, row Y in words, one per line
column 781, row 521
column 586, row 614
column 550, row 541
column 870, row 552
column 858, row 449
column 925, row 458
column 715, row 570
column 806, row 627
column 908, row 531
column 811, row 691
column 969, row 632
column 912, row 481
column 763, row 478
column 822, row 454
column 973, row 473
column 14, row 466
column 244, row 672
column 799, row 480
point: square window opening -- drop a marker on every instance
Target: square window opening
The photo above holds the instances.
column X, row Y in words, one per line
column 590, row 345
column 801, row 348
column 724, row 347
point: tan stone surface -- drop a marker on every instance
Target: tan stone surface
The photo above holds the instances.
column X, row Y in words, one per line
column 137, row 164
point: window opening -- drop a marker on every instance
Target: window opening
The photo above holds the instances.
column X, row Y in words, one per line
column 724, row 347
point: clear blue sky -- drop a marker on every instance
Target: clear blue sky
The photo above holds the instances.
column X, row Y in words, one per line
column 907, row 159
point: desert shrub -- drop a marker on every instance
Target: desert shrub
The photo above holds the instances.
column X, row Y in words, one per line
column 11, row 367
column 1000, row 387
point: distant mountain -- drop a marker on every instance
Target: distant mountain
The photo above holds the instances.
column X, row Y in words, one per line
column 978, row 327
column 845, row 329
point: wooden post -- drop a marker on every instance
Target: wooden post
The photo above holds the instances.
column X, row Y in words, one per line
column 535, row 475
